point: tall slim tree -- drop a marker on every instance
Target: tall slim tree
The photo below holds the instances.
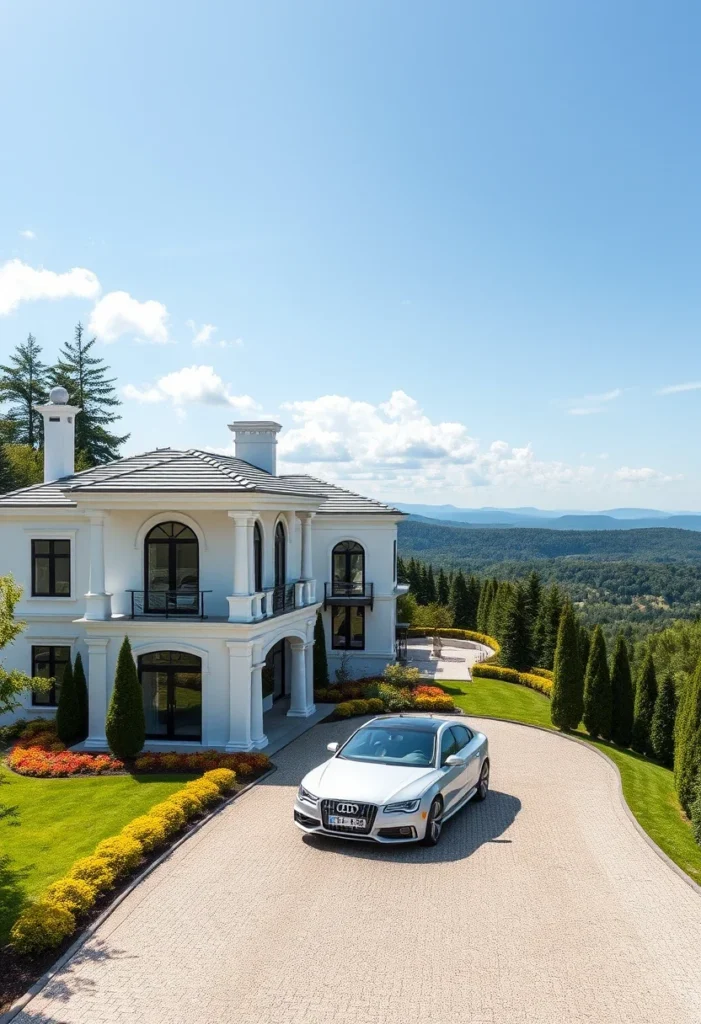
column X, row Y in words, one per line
column 534, row 592
column 24, row 384
column 125, row 726
column 622, row 694
column 473, row 593
column 597, row 689
column 567, row 698
column 7, row 476
column 460, row 603
column 69, row 713
column 484, row 606
column 548, row 625
column 84, row 377
column 442, row 588
column 320, row 661
column 662, row 728
column 516, row 651
column 687, row 743
column 430, row 586
column 81, row 689
column 584, row 643
column 644, row 708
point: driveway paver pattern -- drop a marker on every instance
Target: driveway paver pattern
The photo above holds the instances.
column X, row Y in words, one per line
column 542, row 905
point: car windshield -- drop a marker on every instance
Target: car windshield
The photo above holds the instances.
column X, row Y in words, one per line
column 391, row 745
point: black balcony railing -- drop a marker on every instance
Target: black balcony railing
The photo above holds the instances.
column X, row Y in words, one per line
column 168, row 603
column 344, row 592
column 281, row 599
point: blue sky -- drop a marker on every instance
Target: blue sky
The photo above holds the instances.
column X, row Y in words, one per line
column 454, row 247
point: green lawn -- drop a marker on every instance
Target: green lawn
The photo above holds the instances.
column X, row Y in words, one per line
column 647, row 787
column 59, row 820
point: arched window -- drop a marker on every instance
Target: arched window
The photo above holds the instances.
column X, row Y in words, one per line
column 171, row 570
column 280, row 556
column 348, row 569
column 257, row 557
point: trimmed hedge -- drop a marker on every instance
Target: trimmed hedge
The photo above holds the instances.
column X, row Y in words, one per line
column 510, row 675
column 461, row 634
column 546, row 673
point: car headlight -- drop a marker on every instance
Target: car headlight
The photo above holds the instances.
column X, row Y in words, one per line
column 403, row 807
column 309, row 798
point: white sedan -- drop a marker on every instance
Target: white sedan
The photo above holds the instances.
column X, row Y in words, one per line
column 397, row 779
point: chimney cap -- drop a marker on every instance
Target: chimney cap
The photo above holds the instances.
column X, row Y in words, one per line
column 256, row 426
column 58, row 396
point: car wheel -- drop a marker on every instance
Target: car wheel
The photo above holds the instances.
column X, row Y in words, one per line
column 434, row 825
column 483, row 784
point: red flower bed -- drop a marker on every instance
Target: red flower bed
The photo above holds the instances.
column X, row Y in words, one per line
column 56, row 763
column 243, row 764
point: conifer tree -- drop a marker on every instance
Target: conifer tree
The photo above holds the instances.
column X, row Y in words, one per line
column 483, row 608
column 584, row 643
column 548, row 625
column 68, row 712
column 644, row 707
column 24, row 383
column 597, row 689
column 662, row 728
column 84, row 377
column 460, row 603
column 567, row 698
column 81, row 689
column 442, row 589
column 534, row 591
column 516, row 639
column 622, row 694
column 125, row 726
column 321, row 664
column 473, row 592
column 430, row 586
column 687, row 743
column 7, row 476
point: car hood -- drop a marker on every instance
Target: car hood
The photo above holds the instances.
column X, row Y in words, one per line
column 341, row 779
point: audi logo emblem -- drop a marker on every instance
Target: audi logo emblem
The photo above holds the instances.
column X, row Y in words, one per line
column 348, row 808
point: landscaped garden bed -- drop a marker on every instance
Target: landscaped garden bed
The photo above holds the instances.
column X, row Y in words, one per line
column 400, row 689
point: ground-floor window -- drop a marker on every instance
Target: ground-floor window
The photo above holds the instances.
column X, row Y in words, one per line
column 274, row 672
column 171, row 683
column 348, row 628
column 49, row 663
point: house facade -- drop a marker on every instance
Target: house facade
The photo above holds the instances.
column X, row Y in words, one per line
column 213, row 565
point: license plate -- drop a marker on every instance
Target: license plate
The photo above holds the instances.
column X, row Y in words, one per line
column 341, row 822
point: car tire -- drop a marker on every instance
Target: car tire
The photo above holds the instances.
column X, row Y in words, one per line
column 434, row 825
column 483, row 784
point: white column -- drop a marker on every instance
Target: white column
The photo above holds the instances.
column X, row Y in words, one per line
column 300, row 705
column 97, row 692
column 307, row 563
column 98, row 604
column 240, row 663
column 240, row 604
column 309, row 673
column 258, row 737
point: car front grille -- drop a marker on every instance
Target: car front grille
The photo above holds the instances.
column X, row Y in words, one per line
column 367, row 811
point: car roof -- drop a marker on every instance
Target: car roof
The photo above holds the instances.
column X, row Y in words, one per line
column 414, row 721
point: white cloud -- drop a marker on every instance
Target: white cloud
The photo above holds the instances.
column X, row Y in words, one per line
column 117, row 313
column 29, row 235
column 675, row 389
column 21, row 283
column 192, row 385
column 590, row 404
column 643, row 475
column 204, row 336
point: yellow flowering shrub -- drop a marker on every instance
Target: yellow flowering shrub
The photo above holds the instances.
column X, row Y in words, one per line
column 223, row 778
column 189, row 801
column 172, row 816
column 148, row 830
column 205, row 791
column 41, row 926
column 122, row 852
column 97, row 871
column 73, row 894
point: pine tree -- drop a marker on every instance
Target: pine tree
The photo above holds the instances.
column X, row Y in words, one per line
column 24, row 382
column 483, row 608
column 662, row 728
column 83, row 376
column 69, row 712
column 459, row 603
column 473, row 594
column 321, row 665
column 442, row 589
column 687, row 743
column 622, row 694
column 516, row 649
column 548, row 625
column 584, row 644
column 534, row 592
column 597, row 689
column 125, row 726
column 644, row 707
column 430, row 586
column 7, row 476
column 567, row 698
column 81, row 689
column 421, row 592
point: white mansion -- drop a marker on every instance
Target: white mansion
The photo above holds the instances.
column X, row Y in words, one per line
column 213, row 565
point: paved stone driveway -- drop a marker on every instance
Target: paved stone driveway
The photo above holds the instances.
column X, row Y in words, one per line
column 541, row 906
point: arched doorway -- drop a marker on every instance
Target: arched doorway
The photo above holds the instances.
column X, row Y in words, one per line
column 275, row 674
column 257, row 557
column 171, row 569
column 171, row 685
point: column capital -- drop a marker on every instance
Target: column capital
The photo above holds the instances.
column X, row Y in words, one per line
column 305, row 515
column 96, row 515
column 97, row 643
column 241, row 517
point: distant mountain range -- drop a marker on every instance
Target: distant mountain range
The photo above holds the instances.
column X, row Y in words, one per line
column 608, row 519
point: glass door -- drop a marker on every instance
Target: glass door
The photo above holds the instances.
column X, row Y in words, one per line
column 154, row 685
column 171, row 576
column 171, row 684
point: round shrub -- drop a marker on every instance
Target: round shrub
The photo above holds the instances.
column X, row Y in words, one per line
column 147, row 830
column 375, row 706
column 189, row 801
column 122, row 852
column 41, row 926
column 97, row 871
column 73, row 894
column 172, row 816
column 223, row 778
column 344, row 710
column 321, row 695
column 205, row 791
column 334, row 696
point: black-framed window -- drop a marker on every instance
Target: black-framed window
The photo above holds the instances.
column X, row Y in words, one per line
column 280, row 556
column 171, row 685
column 51, row 568
column 348, row 628
column 348, row 569
column 171, row 568
column 49, row 662
column 257, row 557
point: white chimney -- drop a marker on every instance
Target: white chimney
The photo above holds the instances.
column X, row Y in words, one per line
column 59, row 435
column 255, row 442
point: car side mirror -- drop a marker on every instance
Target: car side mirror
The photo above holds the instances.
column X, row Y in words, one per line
column 453, row 761
column 333, row 747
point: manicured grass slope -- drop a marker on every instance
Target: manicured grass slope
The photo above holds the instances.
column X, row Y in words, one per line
column 647, row 787
column 60, row 820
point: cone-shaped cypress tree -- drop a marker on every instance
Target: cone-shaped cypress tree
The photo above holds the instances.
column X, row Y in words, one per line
column 473, row 593
column 584, row 644
column 81, row 689
column 597, row 689
column 662, row 728
column 430, row 586
column 644, row 709
column 516, row 651
column 567, row 698
column 459, row 602
column 321, row 665
column 687, row 746
column 442, row 588
column 125, row 727
column 68, row 713
column 622, row 692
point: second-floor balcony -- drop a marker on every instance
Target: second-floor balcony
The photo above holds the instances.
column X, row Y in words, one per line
column 348, row 592
column 186, row 603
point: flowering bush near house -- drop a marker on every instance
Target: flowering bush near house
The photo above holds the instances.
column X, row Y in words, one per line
column 398, row 689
